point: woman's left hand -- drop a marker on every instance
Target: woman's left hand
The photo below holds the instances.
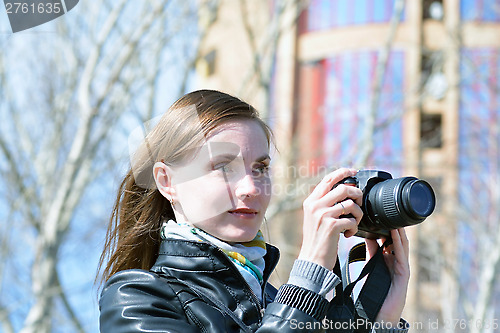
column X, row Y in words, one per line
column 396, row 258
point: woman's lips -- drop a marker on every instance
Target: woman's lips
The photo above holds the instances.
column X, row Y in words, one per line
column 244, row 212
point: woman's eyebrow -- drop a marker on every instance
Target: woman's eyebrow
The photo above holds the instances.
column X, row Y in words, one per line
column 263, row 158
column 231, row 157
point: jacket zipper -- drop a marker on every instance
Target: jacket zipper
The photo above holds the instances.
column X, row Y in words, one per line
column 252, row 293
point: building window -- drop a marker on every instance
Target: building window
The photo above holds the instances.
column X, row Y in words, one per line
column 432, row 9
column 431, row 131
column 434, row 81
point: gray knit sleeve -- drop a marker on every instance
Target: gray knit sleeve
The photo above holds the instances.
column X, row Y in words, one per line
column 313, row 277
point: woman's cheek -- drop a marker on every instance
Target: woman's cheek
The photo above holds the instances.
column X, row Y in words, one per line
column 201, row 199
column 267, row 186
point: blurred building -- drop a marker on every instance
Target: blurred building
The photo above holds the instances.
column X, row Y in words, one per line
column 420, row 85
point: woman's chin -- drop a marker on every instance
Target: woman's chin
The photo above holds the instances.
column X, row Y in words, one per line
column 240, row 237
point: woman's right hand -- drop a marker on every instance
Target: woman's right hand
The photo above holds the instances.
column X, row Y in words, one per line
column 322, row 223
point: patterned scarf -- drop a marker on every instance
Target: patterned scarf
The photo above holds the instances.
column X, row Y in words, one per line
column 247, row 256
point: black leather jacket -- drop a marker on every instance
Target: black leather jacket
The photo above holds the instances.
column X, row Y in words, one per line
column 159, row 301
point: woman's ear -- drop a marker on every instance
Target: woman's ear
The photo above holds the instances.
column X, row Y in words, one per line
column 163, row 179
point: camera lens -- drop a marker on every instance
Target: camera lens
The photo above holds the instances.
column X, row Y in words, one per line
column 418, row 199
column 400, row 202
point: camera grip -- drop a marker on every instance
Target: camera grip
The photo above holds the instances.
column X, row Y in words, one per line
column 349, row 181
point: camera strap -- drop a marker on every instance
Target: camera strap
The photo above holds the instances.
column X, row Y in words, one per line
column 341, row 307
column 377, row 284
column 372, row 294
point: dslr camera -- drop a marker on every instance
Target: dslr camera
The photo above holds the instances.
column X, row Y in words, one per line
column 390, row 203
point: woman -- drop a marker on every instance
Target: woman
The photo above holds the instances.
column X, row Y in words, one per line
column 184, row 251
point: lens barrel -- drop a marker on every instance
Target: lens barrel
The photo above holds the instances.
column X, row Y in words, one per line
column 400, row 202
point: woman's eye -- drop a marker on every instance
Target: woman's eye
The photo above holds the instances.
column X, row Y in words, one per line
column 261, row 169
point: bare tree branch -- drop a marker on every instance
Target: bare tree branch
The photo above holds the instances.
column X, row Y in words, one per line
column 383, row 58
column 87, row 91
column 72, row 314
column 264, row 48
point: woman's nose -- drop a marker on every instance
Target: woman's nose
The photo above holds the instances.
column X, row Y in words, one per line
column 246, row 187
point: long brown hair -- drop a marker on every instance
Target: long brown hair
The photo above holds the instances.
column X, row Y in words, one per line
column 133, row 235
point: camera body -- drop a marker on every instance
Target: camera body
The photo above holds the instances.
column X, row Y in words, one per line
column 390, row 203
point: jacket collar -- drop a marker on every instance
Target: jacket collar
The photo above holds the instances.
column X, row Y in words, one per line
column 195, row 256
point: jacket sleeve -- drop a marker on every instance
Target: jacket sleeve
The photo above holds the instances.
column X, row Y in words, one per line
column 295, row 309
column 300, row 305
column 132, row 301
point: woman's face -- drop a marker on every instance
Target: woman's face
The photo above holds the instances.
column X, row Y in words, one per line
column 225, row 189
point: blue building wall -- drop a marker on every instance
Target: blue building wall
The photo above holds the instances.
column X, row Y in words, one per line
column 479, row 153
column 348, row 80
column 479, row 121
column 327, row 14
column 349, row 84
column 480, row 10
